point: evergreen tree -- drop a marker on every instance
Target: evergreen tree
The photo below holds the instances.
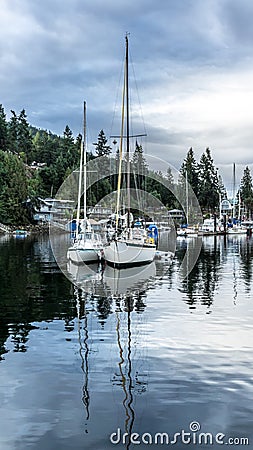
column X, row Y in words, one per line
column 46, row 147
column 138, row 160
column 104, row 165
column 13, row 133
column 190, row 167
column 208, row 183
column 139, row 167
column 101, row 148
column 3, row 129
column 49, row 181
column 24, row 138
column 13, row 189
column 246, row 190
column 170, row 201
column 70, row 150
column 222, row 189
column 188, row 179
column 153, row 184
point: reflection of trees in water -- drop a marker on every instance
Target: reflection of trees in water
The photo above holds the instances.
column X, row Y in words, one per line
column 104, row 307
column 19, row 336
column 200, row 284
column 240, row 252
column 31, row 289
column 28, row 294
column 245, row 250
column 231, row 253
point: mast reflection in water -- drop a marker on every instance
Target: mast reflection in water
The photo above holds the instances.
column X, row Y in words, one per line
column 81, row 361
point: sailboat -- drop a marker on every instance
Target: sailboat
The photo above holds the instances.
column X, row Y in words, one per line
column 236, row 226
column 127, row 246
column 87, row 245
column 185, row 230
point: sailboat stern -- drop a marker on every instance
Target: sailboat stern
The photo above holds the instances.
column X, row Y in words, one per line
column 128, row 253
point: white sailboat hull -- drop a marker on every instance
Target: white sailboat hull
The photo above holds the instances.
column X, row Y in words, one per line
column 127, row 253
column 236, row 230
column 84, row 252
column 189, row 232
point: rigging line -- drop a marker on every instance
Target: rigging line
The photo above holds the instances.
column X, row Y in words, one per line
column 137, row 91
column 130, row 136
column 117, row 96
column 84, row 167
column 120, row 151
column 127, row 140
column 79, row 191
column 137, row 189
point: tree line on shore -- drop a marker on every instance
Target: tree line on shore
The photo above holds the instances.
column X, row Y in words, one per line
column 35, row 162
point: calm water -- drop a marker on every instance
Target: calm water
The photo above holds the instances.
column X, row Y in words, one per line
column 77, row 365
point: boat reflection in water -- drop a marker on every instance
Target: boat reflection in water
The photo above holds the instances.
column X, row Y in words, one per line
column 83, row 338
column 127, row 281
column 104, row 280
column 84, row 275
column 125, row 289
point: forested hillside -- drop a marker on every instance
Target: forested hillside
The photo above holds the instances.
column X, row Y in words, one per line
column 35, row 162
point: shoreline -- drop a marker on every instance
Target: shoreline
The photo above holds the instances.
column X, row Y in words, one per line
column 30, row 228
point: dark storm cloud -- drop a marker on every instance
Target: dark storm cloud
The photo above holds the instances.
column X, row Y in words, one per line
column 56, row 54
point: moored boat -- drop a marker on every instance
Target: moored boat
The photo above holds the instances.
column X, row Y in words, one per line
column 127, row 247
column 87, row 245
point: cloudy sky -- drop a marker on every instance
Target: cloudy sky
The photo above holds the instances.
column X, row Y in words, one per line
column 191, row 60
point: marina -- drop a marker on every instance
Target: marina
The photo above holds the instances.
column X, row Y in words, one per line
column 126, row 247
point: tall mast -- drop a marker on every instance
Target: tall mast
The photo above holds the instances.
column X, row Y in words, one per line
column 79, row 191
column 120, row 150
column 127, row 138
column 84, row 164
column 187, row 199
column 233, row 209
column 125, row 112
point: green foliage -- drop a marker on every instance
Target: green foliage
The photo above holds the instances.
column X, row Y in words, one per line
column 246, row 190
column 56, row 157
column 171, row 200
column 3, row 129
column 24, row 138
column 101, row 149
column 13, row 189
column 45, row 147
column 154, row 186
column 209, row 189
column 12, row 143
column 190, row 169
column 222, row 189
column 139, row 167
